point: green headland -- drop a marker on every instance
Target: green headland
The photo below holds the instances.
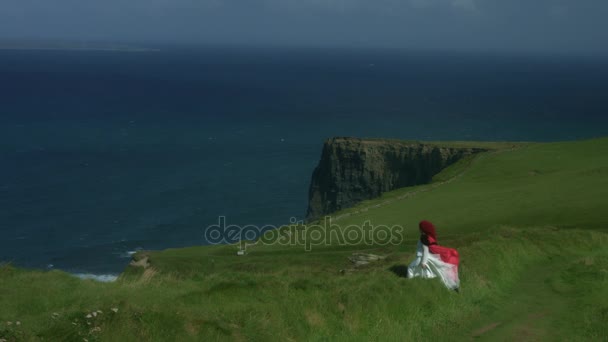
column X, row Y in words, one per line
column 530, row 221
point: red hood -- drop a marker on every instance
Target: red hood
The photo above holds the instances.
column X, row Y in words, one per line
column 429, row 229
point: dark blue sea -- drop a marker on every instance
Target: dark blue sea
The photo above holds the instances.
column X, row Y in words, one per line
column 106, row 153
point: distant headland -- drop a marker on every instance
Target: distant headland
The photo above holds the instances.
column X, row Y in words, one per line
column 72, row 46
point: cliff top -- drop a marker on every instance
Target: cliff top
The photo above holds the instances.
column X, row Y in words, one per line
column 489, row 145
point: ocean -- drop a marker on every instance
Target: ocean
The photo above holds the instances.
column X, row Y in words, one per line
column 106, row 153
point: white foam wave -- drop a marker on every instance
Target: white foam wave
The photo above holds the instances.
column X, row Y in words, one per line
column 129, row 254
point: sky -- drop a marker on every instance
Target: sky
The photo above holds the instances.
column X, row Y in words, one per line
column 546, row 26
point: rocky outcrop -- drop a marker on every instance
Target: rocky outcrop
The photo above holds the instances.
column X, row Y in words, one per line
column 352, row 170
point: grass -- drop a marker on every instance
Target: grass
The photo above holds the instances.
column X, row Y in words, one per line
column 529, row 223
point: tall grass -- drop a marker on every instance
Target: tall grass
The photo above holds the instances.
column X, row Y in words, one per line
column 318, row 303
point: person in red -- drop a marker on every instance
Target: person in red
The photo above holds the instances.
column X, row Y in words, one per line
column 433, row 260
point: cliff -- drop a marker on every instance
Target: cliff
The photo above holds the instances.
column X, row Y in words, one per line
column 352, row 170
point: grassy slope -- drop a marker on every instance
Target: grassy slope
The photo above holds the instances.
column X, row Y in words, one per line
column 530, row 224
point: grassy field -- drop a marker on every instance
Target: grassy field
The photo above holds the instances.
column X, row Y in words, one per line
column 529, row 221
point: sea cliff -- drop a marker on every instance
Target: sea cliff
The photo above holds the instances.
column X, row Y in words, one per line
column 352, row 170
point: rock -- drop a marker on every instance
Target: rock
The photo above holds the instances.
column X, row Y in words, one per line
column 140, row 262
column 360, row 259
column 352, row 170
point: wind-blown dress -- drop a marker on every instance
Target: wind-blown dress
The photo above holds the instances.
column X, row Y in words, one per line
column 441, row 262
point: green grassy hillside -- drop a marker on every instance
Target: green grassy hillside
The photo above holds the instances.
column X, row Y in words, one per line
column 529, row 221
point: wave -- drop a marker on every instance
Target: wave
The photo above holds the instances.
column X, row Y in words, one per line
column 129, row 254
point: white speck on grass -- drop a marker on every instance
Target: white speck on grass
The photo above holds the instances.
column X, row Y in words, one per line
column 104, row 278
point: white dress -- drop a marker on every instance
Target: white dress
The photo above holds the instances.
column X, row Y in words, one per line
column 448, row 273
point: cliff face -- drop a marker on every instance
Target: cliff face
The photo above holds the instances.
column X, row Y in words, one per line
column 352, row 170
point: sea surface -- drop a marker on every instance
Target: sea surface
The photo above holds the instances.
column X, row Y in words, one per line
column 106, row 153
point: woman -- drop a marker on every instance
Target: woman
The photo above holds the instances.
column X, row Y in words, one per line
column 433, row 260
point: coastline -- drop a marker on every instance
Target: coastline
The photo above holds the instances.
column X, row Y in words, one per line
column 106, row 49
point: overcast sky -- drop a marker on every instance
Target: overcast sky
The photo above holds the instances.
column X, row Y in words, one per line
column 560, row 26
